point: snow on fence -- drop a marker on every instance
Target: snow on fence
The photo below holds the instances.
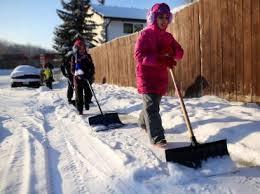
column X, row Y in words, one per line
column 221, row 39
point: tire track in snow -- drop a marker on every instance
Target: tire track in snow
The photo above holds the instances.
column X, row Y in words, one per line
column 40, row 109
column 56, row 137
column 39, row 149
column 118, row 145
column 132, row 151
column 253, row 181
column 63, row 166
column 40, row 153
column 249, row 177
column 108, row 167
column 19, row 160
column 53, row 181
column 22, row 157
column 92, row 157
column 70, row 167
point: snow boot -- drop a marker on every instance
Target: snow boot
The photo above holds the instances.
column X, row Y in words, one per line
column 161, row 143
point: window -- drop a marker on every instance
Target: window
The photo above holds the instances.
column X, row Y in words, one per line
column 128, row 28
column 138, row 27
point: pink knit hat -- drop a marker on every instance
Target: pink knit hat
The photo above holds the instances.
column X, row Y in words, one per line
column 79, row 43
column 158, row 9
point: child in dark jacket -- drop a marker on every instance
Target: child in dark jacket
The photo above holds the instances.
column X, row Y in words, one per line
column 82, row 69
column 65, row 69
column 155, row 51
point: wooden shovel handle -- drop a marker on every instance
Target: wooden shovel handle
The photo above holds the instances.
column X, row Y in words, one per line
column 184, row 111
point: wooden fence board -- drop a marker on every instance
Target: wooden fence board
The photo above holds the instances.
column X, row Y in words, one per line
column 239, row 61
column 192, row 72
column 184, row 72
column 232, row 72
column 256, row 50
column 218, row 60
column 177, row 28
column 197, row 52
column 226, row 44
column 123, row 61
column 106, row 65
column 239, row 51
column 215, row 67
column 205, row 44
column 247, row 89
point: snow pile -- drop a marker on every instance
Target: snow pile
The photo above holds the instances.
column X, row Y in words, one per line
column 46, row 147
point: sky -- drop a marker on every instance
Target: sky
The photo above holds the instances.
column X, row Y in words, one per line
column 33, row 21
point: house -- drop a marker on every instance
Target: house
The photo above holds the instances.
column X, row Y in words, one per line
column 115, row 21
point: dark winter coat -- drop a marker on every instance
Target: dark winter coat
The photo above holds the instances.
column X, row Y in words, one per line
column 82, row 90
column 87, row 67
column 65, row 69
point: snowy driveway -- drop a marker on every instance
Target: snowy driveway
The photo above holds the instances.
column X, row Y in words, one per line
column 46, row 147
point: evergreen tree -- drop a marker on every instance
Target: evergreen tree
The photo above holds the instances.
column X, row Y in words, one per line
column 76, row 23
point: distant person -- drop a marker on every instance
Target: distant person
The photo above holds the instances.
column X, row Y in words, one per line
column 66, row 71
column 47, row 76
column 155, row 51
column 50, row 65
column 83, row 69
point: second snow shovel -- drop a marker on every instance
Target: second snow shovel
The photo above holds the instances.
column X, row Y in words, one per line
column 193, row 155
column 110, row 120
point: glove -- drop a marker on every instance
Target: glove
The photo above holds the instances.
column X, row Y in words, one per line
column 172, row 64
column 78, row 70
column 81, row 77
column 167, row 61
column 167, row 51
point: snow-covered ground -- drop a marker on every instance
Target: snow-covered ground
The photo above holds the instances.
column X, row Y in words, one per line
column 46, row 147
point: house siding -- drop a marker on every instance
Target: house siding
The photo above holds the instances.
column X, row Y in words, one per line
column 110, row 28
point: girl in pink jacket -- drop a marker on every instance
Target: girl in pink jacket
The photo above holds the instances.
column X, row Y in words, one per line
column 155, row 51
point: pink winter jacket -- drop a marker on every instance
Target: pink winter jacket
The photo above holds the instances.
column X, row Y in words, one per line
column 151, row 74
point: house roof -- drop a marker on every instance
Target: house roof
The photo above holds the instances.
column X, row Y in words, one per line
column 120, row 12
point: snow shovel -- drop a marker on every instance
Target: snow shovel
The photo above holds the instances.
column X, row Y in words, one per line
column 193, row 155
column 110, row 120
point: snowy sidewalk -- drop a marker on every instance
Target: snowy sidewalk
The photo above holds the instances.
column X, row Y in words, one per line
column 46, row 147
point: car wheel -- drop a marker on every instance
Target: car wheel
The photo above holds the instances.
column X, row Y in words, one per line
column 13, row 85
column 16, row 84
column 35, row 84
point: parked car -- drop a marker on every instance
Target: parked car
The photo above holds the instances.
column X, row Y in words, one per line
column 26, row 75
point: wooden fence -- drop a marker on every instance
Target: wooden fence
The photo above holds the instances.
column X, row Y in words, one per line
column 221, row 39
